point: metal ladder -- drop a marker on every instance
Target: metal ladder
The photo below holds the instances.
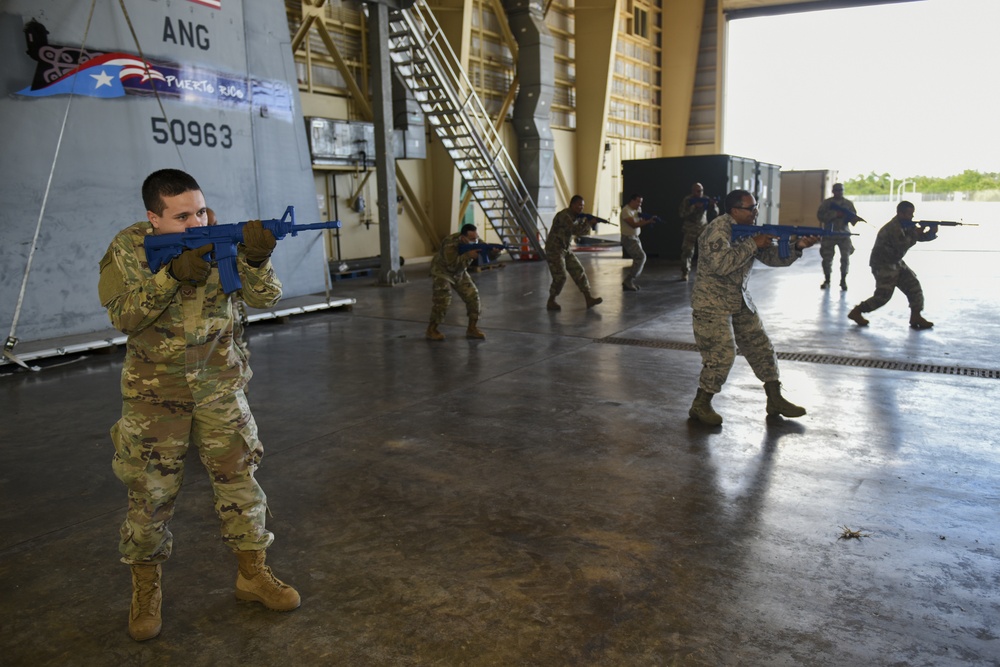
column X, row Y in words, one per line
column 426, row 62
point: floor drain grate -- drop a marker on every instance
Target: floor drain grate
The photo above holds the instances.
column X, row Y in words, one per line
column 829, row 359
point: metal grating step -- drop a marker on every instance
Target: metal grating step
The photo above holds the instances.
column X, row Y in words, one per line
column 830, row 359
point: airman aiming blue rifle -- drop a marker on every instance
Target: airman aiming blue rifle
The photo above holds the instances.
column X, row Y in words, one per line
column 783, row 233
column 592, row 219
column 487, row 251
column 223, row 239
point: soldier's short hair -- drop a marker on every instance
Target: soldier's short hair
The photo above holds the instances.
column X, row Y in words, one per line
column 466, row 228
column 575, row 199
column 735, row 199
column 165, row 183
column 903, row 206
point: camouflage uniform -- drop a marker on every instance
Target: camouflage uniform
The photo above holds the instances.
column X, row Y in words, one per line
column 560, row 258
column 724, row 315
column 182, row 384
column 890, row 270
column 449, row 270
column 834, row 221
column 693, row 221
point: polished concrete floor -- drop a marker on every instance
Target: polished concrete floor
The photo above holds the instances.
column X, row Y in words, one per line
column 541, row 498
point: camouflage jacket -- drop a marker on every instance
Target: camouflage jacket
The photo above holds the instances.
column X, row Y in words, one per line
column 448, row 263
column 832, row 220
column 892, row 242
column 180, row 337
column 564, row 227
column 691, row 214
column 724, row 267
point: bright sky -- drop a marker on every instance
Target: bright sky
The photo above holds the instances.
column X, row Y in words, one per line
column 908, row 88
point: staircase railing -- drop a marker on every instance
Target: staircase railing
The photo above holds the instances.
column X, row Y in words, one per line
column 426, row 62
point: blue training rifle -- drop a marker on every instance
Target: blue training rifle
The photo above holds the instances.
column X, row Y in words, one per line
column 162, row 248
column 784, row 234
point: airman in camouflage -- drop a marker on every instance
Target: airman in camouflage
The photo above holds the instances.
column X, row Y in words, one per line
column 450, row 270
column 835, row 214
column 893, row 241
column 565, row 225
column 724, row 315
column 183, row 384
column 695, row 212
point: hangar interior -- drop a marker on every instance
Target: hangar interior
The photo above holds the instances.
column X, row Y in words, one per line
column 539, row 497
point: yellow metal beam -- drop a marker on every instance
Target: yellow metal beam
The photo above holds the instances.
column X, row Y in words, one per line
column 364, row 108
column 598, row 21
column 681, row 24
column 424, row 225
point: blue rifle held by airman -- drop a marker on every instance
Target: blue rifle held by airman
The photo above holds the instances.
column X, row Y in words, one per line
column 706, row 202
column 592, row 219
column 783, row 233
column 930, row 227
column 849, row 215
column 161, row 248
column 487, row 251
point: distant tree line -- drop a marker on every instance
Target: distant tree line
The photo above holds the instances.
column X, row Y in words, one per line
column 879, row 184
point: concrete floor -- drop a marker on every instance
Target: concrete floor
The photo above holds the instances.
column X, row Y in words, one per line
column 540, row 498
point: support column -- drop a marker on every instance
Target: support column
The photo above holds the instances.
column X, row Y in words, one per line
column 385, row 161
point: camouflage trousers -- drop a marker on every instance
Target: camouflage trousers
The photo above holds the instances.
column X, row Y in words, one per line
column 441, row 296
column 688, row 245
column 886, row 282
column 562, row 262
column 718, row 335
column 633, row 248
column 828, row 247
column 151, row 443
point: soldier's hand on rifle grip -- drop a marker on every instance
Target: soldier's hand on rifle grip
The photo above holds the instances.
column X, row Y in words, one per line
column 259, row 242
column 806, row 241
column 471, row 254
column 763, row 240
column 189, row 267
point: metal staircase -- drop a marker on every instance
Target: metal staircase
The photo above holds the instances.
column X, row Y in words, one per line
column 426, row 62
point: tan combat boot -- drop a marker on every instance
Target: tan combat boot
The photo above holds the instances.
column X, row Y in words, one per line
column 592, row 300
column 144, row 621
column 918, row 322
column 433, row 333
column 778, row 404
column 473, row 331
column 702, row 410
column 256, row 583
column 552, row 305
column 857, row 316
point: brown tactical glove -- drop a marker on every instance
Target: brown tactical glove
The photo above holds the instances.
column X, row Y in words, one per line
column 259, row 242
column 189, row 267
